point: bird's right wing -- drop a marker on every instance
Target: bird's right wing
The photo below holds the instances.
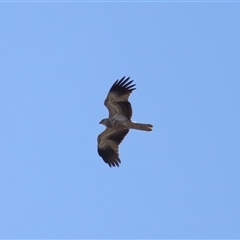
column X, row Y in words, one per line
column 108, row 142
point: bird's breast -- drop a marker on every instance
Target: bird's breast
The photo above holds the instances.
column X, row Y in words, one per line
column 119, row 118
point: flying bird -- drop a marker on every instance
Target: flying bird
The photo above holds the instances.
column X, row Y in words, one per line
column 118, row 122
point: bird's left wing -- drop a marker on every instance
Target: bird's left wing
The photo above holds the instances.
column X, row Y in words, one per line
column 117, row 98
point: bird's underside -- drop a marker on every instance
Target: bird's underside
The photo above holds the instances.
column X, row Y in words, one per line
column 119, row 121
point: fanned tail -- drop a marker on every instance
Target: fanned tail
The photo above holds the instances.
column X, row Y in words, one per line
column 142, row 126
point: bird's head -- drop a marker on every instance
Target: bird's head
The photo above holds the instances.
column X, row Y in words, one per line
column 104, row 122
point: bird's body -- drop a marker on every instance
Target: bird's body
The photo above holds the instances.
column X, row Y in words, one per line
column 119, row 121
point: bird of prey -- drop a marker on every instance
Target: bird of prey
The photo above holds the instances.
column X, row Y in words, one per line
column 118, row 122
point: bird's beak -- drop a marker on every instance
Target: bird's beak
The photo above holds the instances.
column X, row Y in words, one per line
column 100, row 122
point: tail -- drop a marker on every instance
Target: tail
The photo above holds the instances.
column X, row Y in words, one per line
column 142, row 126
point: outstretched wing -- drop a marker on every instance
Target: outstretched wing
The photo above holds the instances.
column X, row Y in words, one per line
column 117, row 98
column 108, row 142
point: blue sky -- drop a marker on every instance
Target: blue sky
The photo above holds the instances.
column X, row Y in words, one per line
column 58, row 61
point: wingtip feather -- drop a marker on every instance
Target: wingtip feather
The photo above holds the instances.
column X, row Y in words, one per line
column 123, row 84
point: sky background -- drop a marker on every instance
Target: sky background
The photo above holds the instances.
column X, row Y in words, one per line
column 57, row 63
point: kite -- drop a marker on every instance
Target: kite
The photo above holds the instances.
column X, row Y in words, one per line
column 118, row 122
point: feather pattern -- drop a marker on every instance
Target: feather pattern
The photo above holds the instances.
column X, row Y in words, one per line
column 108, row 142
column 119, row 121
column 117, row 98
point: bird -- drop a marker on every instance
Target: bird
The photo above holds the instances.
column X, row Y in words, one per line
column 118, row 122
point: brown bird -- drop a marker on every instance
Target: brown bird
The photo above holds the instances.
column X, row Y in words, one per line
column 118, row 122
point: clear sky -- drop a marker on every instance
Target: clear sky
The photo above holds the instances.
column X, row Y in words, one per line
column 57, row 63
